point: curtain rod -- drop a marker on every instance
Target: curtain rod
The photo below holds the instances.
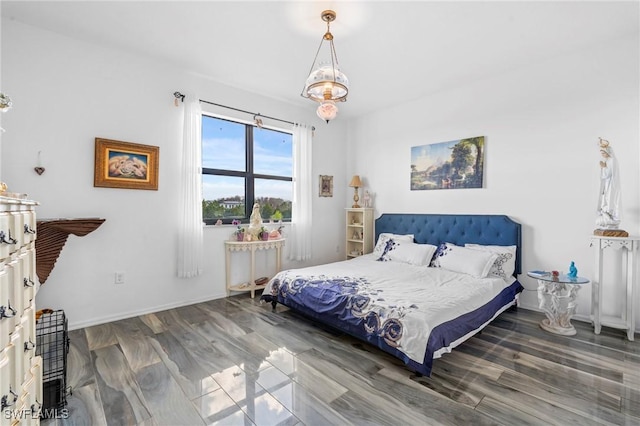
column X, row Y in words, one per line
column 180, row 96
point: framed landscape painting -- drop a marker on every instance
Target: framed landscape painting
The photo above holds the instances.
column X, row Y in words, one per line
column 125, row 165
column 448, row 165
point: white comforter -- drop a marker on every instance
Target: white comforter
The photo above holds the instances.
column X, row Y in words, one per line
column 420, row 297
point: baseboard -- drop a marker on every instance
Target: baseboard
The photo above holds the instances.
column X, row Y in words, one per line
column 131, row 314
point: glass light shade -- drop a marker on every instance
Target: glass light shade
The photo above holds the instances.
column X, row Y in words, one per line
column 322, row 80
column 327, row 110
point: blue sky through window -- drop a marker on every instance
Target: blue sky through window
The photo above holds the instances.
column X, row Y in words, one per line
column 223, row 147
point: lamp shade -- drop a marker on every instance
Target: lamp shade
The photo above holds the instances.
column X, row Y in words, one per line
column 327, row 83
column 355, row 182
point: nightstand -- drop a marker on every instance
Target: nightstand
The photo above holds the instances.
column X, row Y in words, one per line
column 557, row 298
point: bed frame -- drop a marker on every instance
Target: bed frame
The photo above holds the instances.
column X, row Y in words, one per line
column 457, row 229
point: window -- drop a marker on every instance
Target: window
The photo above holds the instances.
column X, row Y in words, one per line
column 242, row 165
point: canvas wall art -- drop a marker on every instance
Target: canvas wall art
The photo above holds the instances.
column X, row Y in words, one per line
column 448, row 165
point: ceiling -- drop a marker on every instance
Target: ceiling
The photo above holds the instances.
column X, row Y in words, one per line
column 392, row 51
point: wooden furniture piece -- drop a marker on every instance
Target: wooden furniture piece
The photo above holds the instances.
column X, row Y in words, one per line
column 626, row 320
column 52, row 236
column 359, row 232
column 252, row 247
column 20, row 369
column 557, row 298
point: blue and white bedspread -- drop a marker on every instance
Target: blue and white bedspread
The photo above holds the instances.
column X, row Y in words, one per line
column 416, row 313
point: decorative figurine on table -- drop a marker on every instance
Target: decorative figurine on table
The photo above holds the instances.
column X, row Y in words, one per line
column 255, row 222
column 608, row 219
column 367, row 198
column 573, row 271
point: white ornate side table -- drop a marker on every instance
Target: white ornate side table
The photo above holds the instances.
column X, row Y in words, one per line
column 628, row 246
column 557, row 298
column 252, row 247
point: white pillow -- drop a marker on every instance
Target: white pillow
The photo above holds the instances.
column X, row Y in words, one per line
column 476, row 263
column 410, row 252
column 505, row 264
column 385, row 236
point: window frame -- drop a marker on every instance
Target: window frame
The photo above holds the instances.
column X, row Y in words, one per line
column 249, row 175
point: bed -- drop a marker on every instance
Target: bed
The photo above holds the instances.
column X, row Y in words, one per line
column 432, row 282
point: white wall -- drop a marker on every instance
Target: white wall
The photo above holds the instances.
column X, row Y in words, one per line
column 66, row 93
column 541, row 125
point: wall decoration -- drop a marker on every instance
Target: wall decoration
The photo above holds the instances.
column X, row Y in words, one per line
column 326, row 186
column 448, row 165
column 125, row 165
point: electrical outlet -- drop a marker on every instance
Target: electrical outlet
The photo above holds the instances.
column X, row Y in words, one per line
column 119, row 278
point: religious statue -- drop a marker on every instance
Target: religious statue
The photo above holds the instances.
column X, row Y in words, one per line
column 608, row 218
column 255, row 222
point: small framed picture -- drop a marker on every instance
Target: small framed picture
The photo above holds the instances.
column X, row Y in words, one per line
column 326, row 186
column 125, row 165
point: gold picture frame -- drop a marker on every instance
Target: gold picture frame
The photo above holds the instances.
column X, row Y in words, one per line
column 326, row 186
column 125, row 165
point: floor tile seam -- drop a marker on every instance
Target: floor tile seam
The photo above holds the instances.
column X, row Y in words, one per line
column 537, row 361
column 568, row 408
column 589, row 349
column 628, row 413
column 480, row 409
column 129, row 361
column 594, row 378
column 524, row 408
column 480, row 387
column 98, row 398
column 556, row 359
column 261, row 394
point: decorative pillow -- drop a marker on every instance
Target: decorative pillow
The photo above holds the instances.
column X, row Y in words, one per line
column 410, row 252
column 382, row 241
column 505, row 264
column 476, row 263
column 389, row 246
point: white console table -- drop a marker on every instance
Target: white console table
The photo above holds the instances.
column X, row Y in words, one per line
column 252, row 247
column 628, row 245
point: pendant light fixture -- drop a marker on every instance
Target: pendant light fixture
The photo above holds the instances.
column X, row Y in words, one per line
column 326, row 84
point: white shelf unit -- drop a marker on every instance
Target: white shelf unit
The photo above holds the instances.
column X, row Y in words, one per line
column 359, row 232
column 621, row 245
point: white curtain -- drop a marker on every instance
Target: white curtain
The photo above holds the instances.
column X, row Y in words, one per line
column 299, row 240
column 190, row 237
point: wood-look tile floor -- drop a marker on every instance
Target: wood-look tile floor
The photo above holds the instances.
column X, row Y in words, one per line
column 235, row 362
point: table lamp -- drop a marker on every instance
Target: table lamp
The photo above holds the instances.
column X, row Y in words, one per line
column 355, row 183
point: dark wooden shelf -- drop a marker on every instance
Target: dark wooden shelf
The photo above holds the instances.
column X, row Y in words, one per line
column 51, row 237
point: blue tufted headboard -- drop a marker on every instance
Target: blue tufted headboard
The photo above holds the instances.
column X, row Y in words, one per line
column 456, row 229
